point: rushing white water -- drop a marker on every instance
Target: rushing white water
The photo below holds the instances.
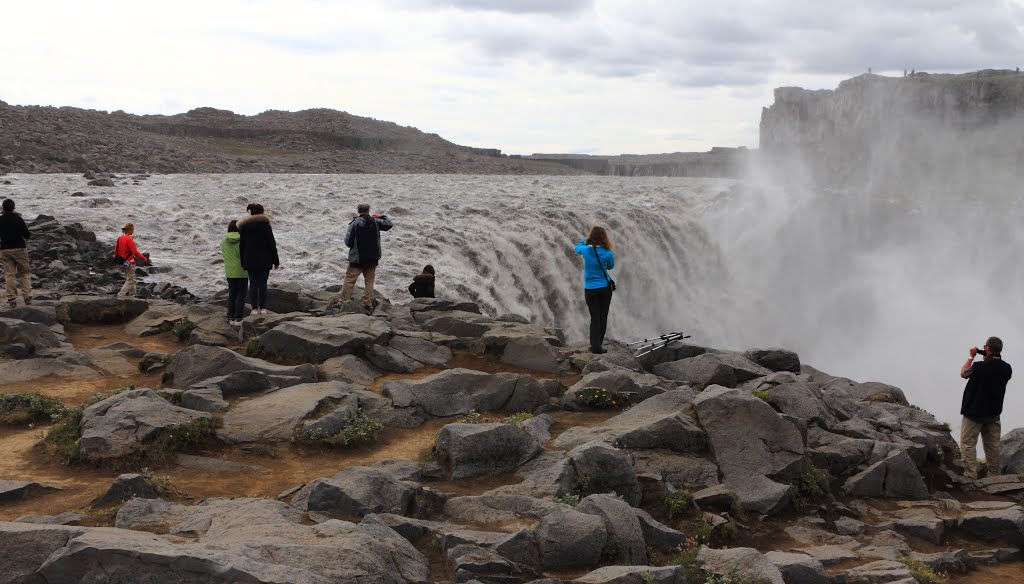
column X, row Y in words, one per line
column 866, row 287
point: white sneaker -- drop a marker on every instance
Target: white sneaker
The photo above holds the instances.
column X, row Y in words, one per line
column 235, row 323
column 263, row 311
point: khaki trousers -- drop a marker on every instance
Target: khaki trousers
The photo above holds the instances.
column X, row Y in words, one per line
column 990, row 433
column 129, row 289
column 15, row 263
column 351, row 275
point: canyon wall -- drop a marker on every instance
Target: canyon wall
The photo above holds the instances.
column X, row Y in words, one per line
column 887, row 132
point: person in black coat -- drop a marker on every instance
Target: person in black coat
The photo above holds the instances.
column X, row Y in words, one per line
column 423, row 284
column 259, row 254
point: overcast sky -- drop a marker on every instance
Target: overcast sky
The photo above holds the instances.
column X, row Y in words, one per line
column 593, row 76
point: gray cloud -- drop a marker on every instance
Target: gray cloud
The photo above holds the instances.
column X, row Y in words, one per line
column 742, row 43
column 560, row 7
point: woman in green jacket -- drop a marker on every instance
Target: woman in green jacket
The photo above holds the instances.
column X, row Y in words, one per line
column 238, row 278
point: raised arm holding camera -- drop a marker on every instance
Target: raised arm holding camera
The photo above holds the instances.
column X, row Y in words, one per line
column 982, row 405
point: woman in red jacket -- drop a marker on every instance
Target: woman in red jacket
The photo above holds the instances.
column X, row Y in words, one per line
column 125, row 254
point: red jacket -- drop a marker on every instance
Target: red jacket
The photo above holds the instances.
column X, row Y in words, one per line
column 125, row 249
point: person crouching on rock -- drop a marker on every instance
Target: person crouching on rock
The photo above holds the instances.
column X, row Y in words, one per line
column 598, row 258
column 14, row 255
column 423, row 284
column 258, row 251
column 363, row 240
column 982, row 405
column 125, row 256
column 238, row 278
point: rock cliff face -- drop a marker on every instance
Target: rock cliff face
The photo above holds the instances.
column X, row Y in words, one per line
column 874, row 127
column 66, row 139
column 717, row 162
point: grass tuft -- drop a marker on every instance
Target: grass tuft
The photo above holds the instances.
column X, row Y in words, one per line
column 361, row 429
column 678, row 502
column 922, row 572
column 183, row 328
column 18, row 409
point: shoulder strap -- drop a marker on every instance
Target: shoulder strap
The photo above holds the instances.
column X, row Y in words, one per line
column 600, row 263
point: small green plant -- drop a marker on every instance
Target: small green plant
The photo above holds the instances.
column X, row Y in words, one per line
column 472, row 417
column 568, row 499
column 17, row 409
column 600, row 398
column 361, row 428
column 63, row 439
column 761, row 394
column 881, row 397
column 183, row 328
column 612, row 550
column 161, row 484
column 687, row 560
column 518, row 417
column 648, row 577
column 678, row 502
column 922, row 572
column 252, row 346
column 811, row 485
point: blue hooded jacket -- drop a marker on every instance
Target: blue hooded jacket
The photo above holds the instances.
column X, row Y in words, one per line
column 593, row 276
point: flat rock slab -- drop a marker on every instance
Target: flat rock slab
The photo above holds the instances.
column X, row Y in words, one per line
column 205, row 463
column 657, row 422
column 319, row 339
column 32, row 334
column 453, row 392
column 158, row 319
column 198, row 363
column 117, row 425
column 33, row 369
column 11, row 490
column 746, row 561
column 275, row 416
column 100, row 309
column 747, row 436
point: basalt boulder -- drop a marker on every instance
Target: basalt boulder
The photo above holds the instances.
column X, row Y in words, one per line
column 116, row 425
column 319, row 339
column 475, row 449
column 195, row 364
column 747, row 436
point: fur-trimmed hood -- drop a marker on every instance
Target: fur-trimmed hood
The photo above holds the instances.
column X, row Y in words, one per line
column 261, row 218
column 423, row 276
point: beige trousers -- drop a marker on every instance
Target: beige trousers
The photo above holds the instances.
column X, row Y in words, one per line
column 351, row 275
column 15, row 263
column 990, row 433
column 129, row 289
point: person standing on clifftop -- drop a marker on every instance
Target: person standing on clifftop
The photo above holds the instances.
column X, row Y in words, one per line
column 363, row 241
column 258, row 250
column 598, row 258
column 125, row 254
column 982, row 405
column 14, row 255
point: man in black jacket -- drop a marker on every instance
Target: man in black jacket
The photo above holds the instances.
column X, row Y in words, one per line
column 982, row 405
column 13, row 255
column 363, row 240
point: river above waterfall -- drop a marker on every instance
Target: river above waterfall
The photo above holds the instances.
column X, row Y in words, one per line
column 879, row 290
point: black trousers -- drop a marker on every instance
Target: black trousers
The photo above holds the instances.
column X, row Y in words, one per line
column 237, row 288
column 599, row 300
column 258, row 288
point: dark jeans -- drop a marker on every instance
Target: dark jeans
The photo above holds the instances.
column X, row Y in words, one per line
column 599, row 300
column 236, row 297
column 258, row 288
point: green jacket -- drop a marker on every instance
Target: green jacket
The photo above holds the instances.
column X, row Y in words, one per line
column 232, row 256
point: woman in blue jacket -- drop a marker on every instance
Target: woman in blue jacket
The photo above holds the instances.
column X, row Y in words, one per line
column 598, row 258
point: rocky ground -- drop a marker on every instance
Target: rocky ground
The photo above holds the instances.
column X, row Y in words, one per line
column 67, row 139
column 146, row 440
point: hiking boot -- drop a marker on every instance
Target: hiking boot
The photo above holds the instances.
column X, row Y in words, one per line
column 28, row 301
column 12, row 303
